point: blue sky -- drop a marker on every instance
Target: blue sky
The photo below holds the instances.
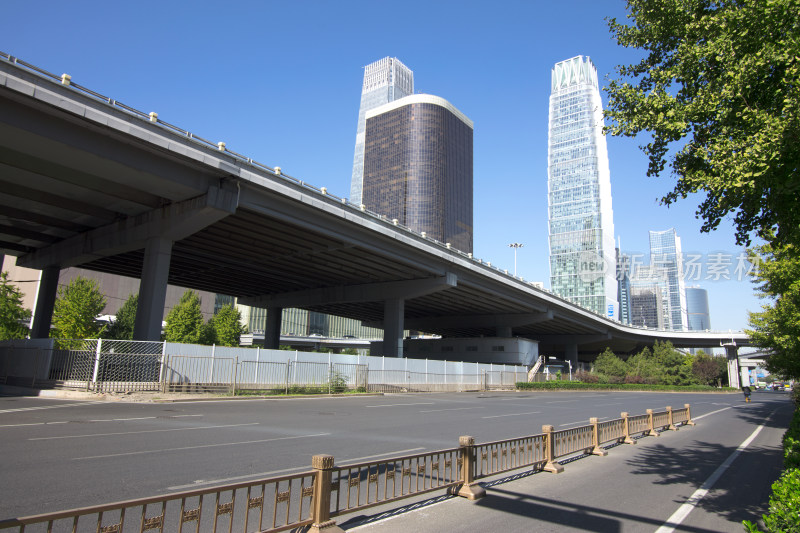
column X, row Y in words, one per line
column 280, row 82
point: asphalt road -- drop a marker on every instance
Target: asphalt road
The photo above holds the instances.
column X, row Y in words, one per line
column 60, row 454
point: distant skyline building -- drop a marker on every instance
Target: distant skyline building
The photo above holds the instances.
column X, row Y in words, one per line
column 624, row 266
column 699, row 318
column 648, row 297
column 581, row 227
column 666, row 256
column 418, row 167
column 385, row 80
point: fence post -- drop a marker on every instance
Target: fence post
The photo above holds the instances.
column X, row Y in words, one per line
column 651, row 431
column 671, row 426
column 627, row 439
column 551, row 465
column 469, row 489
column 286, row 381
column 596, row 450
column 321, row 505
column 235, row 373
column 97, row 363
column 689, row 421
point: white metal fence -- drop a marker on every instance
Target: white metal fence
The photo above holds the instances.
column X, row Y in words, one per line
column 119, row 366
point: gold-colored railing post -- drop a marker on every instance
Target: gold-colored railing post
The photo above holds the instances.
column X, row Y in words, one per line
column 671, row 425
column 627, row 439
column 551, row 465
column 596, row 449
column 469, row 489
column 689, row 421
column 321, row 506
column 651, row 431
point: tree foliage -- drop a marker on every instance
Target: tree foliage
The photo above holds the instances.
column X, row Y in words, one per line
column 777, row 326
column 718, row 91
column 185, row 320
column 76, row 309
column 122, row 327
column 608, row 364
column 13, row 314
column 226, row 326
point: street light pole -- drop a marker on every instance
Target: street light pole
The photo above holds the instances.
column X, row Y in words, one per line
column 515, row 246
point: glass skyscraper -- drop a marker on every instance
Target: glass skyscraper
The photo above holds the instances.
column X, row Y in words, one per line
column 385, row 81
column 418, row 167
column 582, row 251
column 697, row 313
column 665, row 255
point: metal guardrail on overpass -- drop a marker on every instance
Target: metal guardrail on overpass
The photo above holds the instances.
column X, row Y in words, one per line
column 295, row 221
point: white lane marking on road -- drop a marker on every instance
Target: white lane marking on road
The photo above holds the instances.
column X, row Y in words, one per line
column 684, row 510
column 562, row 401
column 93, row 421
column 143, row 452
column 200, row 482
column 144, row 431
column 451, row 409
column 121, row 419
column 606, row 404
column 39, row 408
column 709, row 414
column 514, row 414
column 31, row 424
column 583, row 423
column 401, row 404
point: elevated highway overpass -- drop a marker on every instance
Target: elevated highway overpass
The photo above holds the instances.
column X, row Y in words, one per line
column 87, row 181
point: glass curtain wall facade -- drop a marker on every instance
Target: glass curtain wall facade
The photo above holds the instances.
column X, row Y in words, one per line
column 582, row 248
column 385, row 81
column 418, row 167
column 699, row 318
column 665, row 255
column 648, row 296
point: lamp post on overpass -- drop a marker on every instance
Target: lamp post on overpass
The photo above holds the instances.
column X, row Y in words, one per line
column 515, row 246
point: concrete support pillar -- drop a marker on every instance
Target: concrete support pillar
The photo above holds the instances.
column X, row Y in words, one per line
column 272, row 329
column 732, row 351
column 45, row 301
column 745, row 376
column 393, row 315
column 503, row 331
column 153, row 289
column 571, row 354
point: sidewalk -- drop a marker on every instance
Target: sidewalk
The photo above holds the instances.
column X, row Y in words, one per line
column 156, row 396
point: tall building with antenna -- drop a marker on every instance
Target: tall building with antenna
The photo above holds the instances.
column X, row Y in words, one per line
column 385, row 80
column 581, row 227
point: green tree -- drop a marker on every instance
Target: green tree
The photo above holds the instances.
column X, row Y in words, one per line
column 611, row 366
column 676, row 366
column 717, row 92
column 709, row 370
column 644, row 368
column 76, row 309
column 13, row 315
column 122, row 327
column 185, row 320
column 226, row 326
column 777, row 326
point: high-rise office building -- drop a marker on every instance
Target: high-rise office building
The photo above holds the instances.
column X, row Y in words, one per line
column 648, row 298
column 418, row 167
column 699, row 318
column 385, row 81
column 665, row 255
column 582, row 251
column 624, row 286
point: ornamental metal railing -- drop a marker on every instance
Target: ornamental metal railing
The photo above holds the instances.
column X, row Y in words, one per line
column 328, row 490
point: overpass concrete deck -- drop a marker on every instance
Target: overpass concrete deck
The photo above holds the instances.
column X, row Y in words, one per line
column 88, row 181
